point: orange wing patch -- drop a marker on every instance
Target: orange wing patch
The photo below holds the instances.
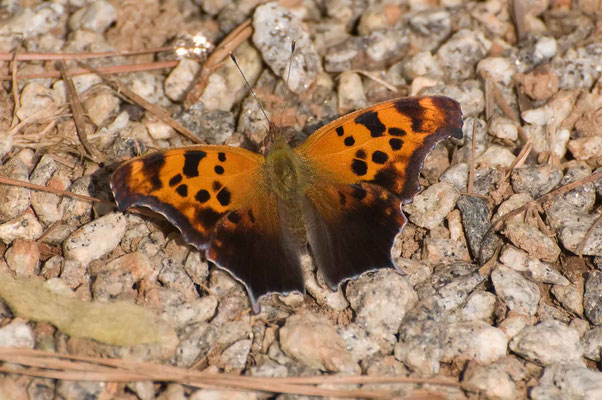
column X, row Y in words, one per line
column 192, row 187
column 385, row 144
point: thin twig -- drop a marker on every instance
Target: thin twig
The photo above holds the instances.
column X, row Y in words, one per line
column 113, row 69
column 471, row 171
column 15, row 90
column 78, row 114
column 84, row 55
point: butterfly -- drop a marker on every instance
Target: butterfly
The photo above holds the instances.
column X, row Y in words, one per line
column 338, row 194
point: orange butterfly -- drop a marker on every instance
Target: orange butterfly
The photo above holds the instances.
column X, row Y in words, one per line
column 340, row 192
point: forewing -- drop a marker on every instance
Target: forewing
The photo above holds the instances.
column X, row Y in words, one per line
column 385, row 144
column 192, row 187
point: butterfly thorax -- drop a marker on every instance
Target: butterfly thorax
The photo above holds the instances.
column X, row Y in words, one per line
column 284, row 172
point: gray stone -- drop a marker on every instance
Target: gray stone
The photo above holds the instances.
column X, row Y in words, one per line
column 536, row 180
column 592, row 343
column 592, row 299
column 517, row 292
column 549, row 342
column 15, row 199
column 475, row 217
column 430, row 207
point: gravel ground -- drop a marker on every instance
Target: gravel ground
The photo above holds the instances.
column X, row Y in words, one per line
column 516, row 315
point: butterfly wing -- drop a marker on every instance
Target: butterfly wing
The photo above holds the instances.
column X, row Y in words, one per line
column 216, row 196
column 364, row 165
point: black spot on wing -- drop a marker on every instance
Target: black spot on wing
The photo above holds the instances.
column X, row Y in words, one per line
column 395, row 144
column 202, row 196
column 371, row 121
column 234, row 217
column 387, row 178
column 379, row 157
column 396, row 132
column 192, row 158
column 175, row 180
column 349, row 141
column 361, row 154
column 182, row 190
column 219, row 169
column 359, row 167
column 151, row 166
column 207, row 217
column 340, row 131
column 224, row 197
column 251, row 216
column 221, row 156
column 216, row 186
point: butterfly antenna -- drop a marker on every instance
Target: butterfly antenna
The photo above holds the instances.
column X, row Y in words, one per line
column 251, row 90
column 290, row 60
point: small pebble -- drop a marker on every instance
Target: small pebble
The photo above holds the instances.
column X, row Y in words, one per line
column 101, row 106
column 499, row 69
column 15, row 199
column 532, row 240
column 561, row 381
column 492, row 381
column 351, row 92
column 592, row 298
column 570, row 296
column 496, row 156
column 475, row 340
column 95, row 239
column 548, row 343
column 480, row 305
column 96, row 16
column 503, row 128
column 275, row 46
column 460, row 53
column 24, row 227
column 17, row 334
column 517, row 292
column 358, row 342
column 235, row 356
column 23, row 257
column 536, row 180
column 430, row 207
column 313, row 340
column 380, row 301
column 180, row 78
column 592, row 343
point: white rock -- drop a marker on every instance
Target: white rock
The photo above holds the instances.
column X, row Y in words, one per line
column 15, row 199
column 23, row 257
column 479, row 306
column 513, row 325
column 554, row 112
column 568, row 382
column 95, row 239
column 423, row 64
column 432, row 205
column 81, row 83
column 586, row 147
column 101, row 106
column 545, row 48
column 358, row 342
column 517, row 292
column 313, row 340
column 503, row 128
column 351, row 93
column 17, row 334
column 496, row 156
column 533, row 268
column 499, row 69
column 158, row 130
column 180, row 78
column 25, row 226
column 275, row 46
column 235, row 356
column 96, row 17
column 30, row 22
column 592, row 343
column 549, row 342
column 475, row 340
column 457, row 175
column 380, row 301
column 492, row 380
column 37, row 101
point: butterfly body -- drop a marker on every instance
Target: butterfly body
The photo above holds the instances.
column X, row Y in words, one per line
column 340, row 192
